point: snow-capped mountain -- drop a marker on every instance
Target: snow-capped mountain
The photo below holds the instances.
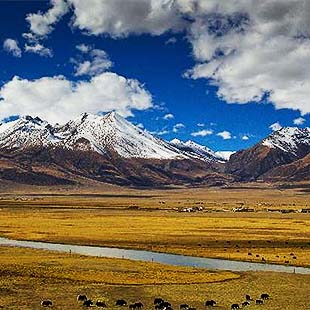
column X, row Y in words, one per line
column 102, row 134
column 224, row 154
column 110, row 149
column 279, row 149
column 103, row 148
column 112, row 132
column 288, row 139
column 27, row 132
column 196, row 150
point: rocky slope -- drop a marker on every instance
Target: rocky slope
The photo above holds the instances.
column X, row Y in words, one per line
column 110, row 149
column 281, row 148
column 104, row 148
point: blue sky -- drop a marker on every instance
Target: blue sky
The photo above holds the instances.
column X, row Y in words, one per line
column 158, row 59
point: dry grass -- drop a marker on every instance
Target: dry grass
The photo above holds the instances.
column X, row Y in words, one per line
column 28, row 276
column 146, row 219
column 210, row 235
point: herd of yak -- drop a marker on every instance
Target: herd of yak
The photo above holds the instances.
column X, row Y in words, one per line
column 159, row 303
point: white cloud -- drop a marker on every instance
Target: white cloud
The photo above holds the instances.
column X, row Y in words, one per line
column 256, row 48
column 226, row 135
column 250, row 49
column 160, row 132
column 140, row 125
column 42, row 24
column 119, row 18
column 200, row 124
column 171, row 40
column 275, row 126
column 84, row 48
column 202, row 133
column 39, row 49
column 245, row 137
column 299, row 121
column 168, row 116
column 177, row 127
column 97, row 63
column 11, row 46
column 57, row 99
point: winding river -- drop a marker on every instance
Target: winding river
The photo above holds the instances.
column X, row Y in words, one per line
column 149, row 256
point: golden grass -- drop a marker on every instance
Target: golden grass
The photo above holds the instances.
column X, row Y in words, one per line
column 28, row 276
column 210, row 235
column 139, row 219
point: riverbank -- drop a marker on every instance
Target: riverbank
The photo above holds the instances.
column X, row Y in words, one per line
column 255, row 237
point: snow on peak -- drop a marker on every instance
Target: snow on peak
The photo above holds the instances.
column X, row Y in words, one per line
column 224, row 154
column 26, row 132
column 113, row 133
column 104, row 134
column 195, row 150
column 288, row 139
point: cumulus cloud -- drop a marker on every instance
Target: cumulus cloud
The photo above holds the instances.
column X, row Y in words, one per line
column 57, row 99
column 11, row 46
column 177, row 127
column 119, row 18
column 275, row 126
column 299, row 121
column 245, row 137
column 226, row 135
column 251, row 50
column 84, row 48
column 98, row 61
column 172, row 40
column 202, row 133
column 42, row 24
column 168, row 116
column 39, row 49
column 161, row 132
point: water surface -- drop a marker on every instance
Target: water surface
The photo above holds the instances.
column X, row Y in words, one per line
column 149, row 256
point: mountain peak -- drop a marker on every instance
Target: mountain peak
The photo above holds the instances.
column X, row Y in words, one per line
column 196, row 150
column 288, row 139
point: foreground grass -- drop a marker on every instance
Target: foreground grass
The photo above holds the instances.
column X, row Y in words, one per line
column 28, row 276
column 26, row 271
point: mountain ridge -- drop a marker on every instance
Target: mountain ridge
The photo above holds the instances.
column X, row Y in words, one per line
column 110, row 149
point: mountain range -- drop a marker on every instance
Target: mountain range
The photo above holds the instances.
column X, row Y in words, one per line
column 110, row 149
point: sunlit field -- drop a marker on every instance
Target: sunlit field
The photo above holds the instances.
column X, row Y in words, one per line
column 154, row 220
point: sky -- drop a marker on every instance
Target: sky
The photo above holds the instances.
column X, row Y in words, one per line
column 221, row 73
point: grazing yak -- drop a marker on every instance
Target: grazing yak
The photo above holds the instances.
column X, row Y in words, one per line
column 184, row 307
column 248, row 297
column 245, row 304
column 158, row 301
column 81, row 297
column 210, row 303
column 121, row 303
column 136, row 305
column 259, row 302
column 46, row 303
column 101, row 304
column 234, row 307
column 88, row 303
column 264, row 296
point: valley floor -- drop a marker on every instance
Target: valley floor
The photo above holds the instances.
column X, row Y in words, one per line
column 153, row 220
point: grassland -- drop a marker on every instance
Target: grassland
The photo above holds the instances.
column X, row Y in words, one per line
column 28, row 276
column 151, row 220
